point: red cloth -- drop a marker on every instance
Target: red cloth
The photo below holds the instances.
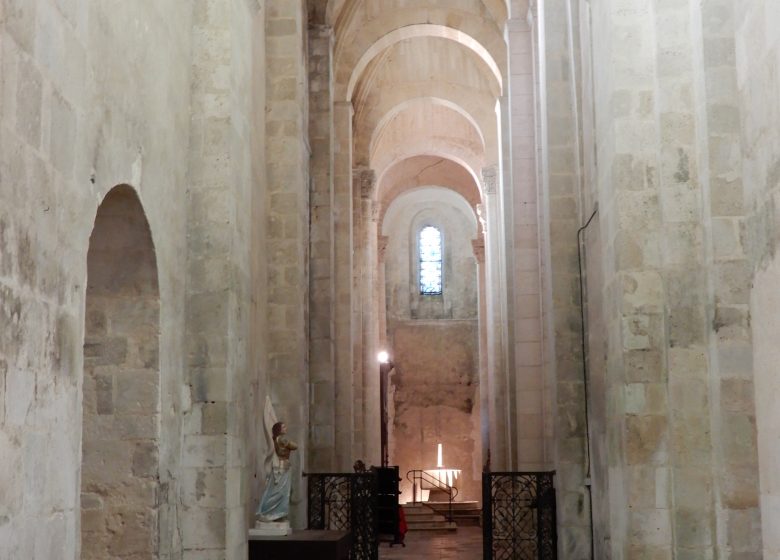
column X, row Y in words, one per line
column 402, row 526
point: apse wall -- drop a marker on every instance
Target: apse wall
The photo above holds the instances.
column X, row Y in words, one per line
column 434, row 342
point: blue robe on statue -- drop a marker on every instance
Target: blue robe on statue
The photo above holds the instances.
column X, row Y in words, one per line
column 275, row 503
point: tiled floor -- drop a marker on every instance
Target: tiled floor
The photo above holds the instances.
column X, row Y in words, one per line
column 465, row 544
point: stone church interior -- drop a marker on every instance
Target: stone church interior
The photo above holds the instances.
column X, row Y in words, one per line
column 524, row 252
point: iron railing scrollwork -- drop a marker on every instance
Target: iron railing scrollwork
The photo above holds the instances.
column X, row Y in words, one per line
column 346, row 502
column 519, row 519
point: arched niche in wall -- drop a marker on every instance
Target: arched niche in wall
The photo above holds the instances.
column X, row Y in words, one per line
column 121, row 405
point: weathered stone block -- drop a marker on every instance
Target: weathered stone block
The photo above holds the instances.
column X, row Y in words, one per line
column 145, row 460
column 203, row 488
column 131, row 533
column 104, row 393
column 739, row 438
column 691, row 441
column 19, row 20
column 214, row 418
column 740, row 489
column 692, row 528
column 203, row 529
column 105, row 351
column 744, row 532
column 203, row 451
column 137, row 392
column 646, row 440
column 650, row 527
column 29, row 98
column 644, row 366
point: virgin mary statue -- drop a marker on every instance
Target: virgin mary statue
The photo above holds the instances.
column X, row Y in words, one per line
column 275, row 503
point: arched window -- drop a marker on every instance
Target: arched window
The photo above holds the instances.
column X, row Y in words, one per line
column 429, row 251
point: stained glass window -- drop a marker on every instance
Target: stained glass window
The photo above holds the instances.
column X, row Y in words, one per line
column 430, row 261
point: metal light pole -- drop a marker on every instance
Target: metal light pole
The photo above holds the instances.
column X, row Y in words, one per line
column 385, row 365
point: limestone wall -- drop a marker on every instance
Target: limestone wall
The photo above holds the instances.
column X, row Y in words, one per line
column 560, row 210
column 92, row 95
column 168, row 99
column 226, row 377
column 757, row 65
column 287, row 199
column 672, row 415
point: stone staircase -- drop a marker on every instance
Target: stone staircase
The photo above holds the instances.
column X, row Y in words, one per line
column 464, row 514
column 420, row 517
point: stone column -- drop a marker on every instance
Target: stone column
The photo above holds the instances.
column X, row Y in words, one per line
column 288, row 230
column 560, row 219
column 527, row 281
column 348, row 438
column 506, row 188
column 373, row 419
column 216, row 450
column 365, row 317
column 381, row 289
column 322, row 296
column 731, row 337
column 359, row 176
column 500, row 451
column 484, row 382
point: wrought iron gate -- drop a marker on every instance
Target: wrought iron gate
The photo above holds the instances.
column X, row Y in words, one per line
column 519, row 516
column 346, row 502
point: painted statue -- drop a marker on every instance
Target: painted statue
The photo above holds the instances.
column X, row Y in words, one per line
column 275, row 503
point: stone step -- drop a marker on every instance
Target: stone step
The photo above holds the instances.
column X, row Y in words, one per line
column 432, row 526
column 423, row 513
column 437, row 494
column 470, row 505
column 423, row 518
column 463, row 513
column 467, row 519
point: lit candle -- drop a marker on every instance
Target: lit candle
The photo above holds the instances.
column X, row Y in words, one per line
column 440, row 463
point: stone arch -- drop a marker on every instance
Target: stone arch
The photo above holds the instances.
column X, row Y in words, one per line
column 425, row 76
column 438, row 129
column 121, row 405
column 336, row 8
column 478, row 105
column 423, row 30
column 405, row 105
column 414, row 152
column 425, row 171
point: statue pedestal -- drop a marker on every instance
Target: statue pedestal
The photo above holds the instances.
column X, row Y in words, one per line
column 272, row 529
column 319, row 545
